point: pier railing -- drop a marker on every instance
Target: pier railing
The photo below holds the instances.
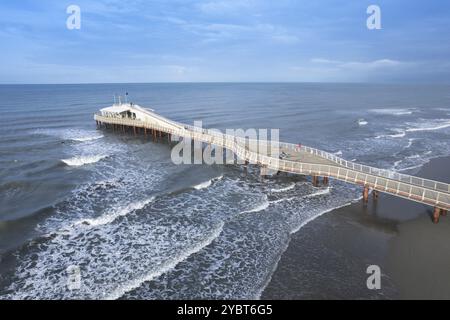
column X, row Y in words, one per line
column 417, row 189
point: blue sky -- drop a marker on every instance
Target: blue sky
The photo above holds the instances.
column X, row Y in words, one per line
column 220, row 40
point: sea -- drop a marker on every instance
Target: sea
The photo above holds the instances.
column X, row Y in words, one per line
column 94, row 214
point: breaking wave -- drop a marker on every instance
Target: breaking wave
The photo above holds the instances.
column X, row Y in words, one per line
column 395, row 111
column 260, row 207
column 427, row 125
column 290, row 187
column 79, row 135
column 399, row 134
column 321, row 192
column 362, row 122
column 119, row 212
column 88, row 138
column 206, row 184
column 137, row 282
column 82, row 160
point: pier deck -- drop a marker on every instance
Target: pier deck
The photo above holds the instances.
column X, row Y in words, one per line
column 302, row 160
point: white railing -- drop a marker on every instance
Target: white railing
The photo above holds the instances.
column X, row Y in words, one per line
column 378, row 179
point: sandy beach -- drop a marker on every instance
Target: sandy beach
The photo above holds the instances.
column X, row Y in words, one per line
column 328, row 259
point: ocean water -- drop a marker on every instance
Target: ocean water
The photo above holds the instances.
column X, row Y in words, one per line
column 138, row 226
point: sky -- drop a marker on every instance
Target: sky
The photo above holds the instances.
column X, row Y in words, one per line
column 224, row 41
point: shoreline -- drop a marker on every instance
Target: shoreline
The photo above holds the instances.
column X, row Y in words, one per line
column 329, row 258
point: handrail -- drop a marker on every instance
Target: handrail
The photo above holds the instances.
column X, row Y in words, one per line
column 389, row 184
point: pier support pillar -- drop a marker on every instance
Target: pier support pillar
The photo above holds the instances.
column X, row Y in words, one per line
column 365, row 194
column 443, row 212
column 375, row 195
column 436, row 214
column 325, row 181
column 315, row 180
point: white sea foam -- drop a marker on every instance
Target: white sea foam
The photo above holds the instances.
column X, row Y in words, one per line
column 396, row 164
column 122, row 211
column 305, row 222
column 73, row 134
column 319, row 193
column 137, row 282
column 429, row 125
column 82, row 160
column 290, row 187
column 362, row 122
column 203, row 185
column 399, row 134
column 281, row 200
column 394, row 111
column 260, row 207
column 87, row 138
column 415, row 161
column 410, row 142
column 206, row 184
column 411, row 167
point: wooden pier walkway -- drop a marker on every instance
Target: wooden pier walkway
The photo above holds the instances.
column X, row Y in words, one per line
column 302, row 160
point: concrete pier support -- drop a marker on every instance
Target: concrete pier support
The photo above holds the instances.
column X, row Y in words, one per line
column 366, row 194
column 436, row 214
column 375, row 194
column 315, row 180
column 325, row 181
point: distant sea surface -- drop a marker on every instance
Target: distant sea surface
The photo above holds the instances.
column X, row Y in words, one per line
column 135, row 225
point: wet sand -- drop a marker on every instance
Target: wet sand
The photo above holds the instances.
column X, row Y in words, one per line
column 328, row 258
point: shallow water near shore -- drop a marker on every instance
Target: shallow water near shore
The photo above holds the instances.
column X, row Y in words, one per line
column 328, row 259
column 139, row 226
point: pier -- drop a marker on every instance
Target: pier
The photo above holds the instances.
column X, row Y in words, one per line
column 302, row 160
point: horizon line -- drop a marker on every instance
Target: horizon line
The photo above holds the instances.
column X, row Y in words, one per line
column 232, row 82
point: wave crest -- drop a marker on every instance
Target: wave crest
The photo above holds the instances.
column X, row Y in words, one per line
column 82, row 160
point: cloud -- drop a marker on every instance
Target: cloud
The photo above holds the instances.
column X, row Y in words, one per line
column 321, row 69
column 371, row 65
column 226, row 6
column 177, row 70
column 324, row 61
column 213, row 32
column 360, row 65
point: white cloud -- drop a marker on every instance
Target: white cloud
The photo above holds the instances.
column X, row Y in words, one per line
column 377, row 64
column 320, row 69
column 324, row 61
column 226, row 6
column 213, row 32
column 359, row 65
